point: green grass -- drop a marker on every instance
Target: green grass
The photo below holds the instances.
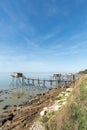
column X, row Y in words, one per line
column 83, row 72
column 74, row 116
column 78, row 118
column 45, row 118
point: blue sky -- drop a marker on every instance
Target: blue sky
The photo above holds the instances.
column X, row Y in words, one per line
column 43, row 35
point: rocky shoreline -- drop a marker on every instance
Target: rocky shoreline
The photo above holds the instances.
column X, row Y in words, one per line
column 24, row 115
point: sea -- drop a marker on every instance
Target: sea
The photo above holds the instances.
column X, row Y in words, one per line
column 6, row 96
column 10, row 96
column 6, row 78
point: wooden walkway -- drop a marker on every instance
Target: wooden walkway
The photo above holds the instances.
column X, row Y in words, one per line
column 21, row 81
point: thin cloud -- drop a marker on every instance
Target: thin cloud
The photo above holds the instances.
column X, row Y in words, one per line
column 52, row 33
column 79, row 36
column 48, row 36
column 20, row 63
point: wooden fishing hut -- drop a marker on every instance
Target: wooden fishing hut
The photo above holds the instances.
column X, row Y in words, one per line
column 17, row 81
column 17, row 75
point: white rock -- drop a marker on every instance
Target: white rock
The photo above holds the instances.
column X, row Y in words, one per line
column 63, row 93
column 18, row 108
column 57, row 107
column 63, row 103
column 44, row 111
column 60, row 95
column 45, row 108
column 67, row 94
column 69, row 89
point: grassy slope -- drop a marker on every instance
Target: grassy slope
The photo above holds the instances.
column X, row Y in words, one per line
column 74, row 115
column 83, row 72
column 78, row 112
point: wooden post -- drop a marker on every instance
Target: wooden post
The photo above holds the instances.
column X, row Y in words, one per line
column 22, row 84
column 57, row 83
column 28, row 82
column 43, row 83
column 51, row 83
column 38, row 82
column 33, row 82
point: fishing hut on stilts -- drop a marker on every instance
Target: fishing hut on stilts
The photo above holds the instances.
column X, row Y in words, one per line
column 17, row 82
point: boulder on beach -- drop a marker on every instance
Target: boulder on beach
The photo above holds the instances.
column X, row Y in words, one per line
column 5, row 118
column 6, row 106
column 1, row 100
column 1, row 91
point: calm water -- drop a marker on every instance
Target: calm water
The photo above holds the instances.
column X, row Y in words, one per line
column 5, row 78
column 6, row 96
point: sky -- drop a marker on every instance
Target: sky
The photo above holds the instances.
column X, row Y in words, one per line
column 43, row 35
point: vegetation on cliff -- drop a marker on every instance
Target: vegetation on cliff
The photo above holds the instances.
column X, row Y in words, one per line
column 83, row 72
column 73, row 115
